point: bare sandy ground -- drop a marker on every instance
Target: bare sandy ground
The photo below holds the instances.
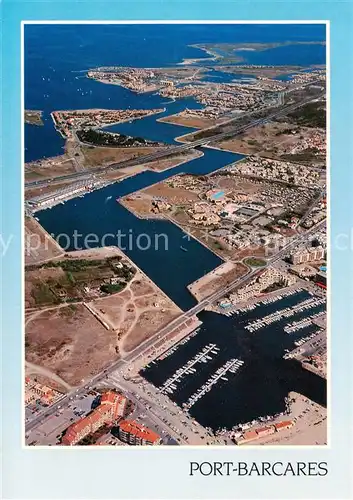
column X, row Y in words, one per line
column 310, row 425
column 47, row 377
column 273, row 140
column 74, row 342
column 166, row 163
column 140, row 203
column 216, row 279
column 52, row 167
column 39, row 246
column 69, row 342
column 96, row 156
column 180, row 198
column 161, row 346
column 190, row 120
column 137, row 312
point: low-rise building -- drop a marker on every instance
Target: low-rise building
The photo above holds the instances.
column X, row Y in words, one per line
column 136, row 434
column 308, row 255
column 247, row 436
column 261, row 283
column 111, row 407
column 285, row 424
column 265, row 431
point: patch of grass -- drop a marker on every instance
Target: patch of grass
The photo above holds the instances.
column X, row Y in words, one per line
column 43, row 295
column 75, row 275
column 73, row 265
column 312, row 114
column 252, row 261
column 70, row 278
column 218, row 245
column 109, row 288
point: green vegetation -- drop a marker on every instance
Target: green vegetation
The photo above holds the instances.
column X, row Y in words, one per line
column 305, row 156
column 252, row 261
column 110, row 288
column 73, row 265
column 273, row 287
column 70, row 277
column 218, row 245
column 75, row 280
column 312, row 114
column 42, row 295
column 67, row 312
column 100, row 138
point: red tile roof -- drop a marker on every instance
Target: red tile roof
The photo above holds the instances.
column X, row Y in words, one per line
column 100, row 414
column 283, row 424
column 251, row 434
column 109, row 397
column 138, row 430
column 265, row 430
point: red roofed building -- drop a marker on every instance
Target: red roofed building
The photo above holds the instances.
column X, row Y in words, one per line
column 250, row 435
column 285, row 424
column 136, row 434
column 117, row 401
column 247, row 436
column 112, row 406
column 75, row 432
column 265, row 431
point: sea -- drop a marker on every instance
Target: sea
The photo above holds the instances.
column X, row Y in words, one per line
column 56, row 59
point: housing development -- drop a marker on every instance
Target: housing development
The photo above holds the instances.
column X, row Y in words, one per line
column 176, row 250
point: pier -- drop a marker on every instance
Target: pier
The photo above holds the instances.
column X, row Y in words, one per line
column 232, row 366
column 298, row 325
column 285, row 313
column 201, row 357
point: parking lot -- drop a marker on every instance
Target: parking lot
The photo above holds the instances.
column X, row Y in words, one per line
column 49, row 432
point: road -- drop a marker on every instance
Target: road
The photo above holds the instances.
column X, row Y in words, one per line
column 169, row 328
column 161, row 409
column 168, row 151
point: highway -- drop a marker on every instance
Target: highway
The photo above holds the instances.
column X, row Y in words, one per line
column 168, row 329
column 168, row 151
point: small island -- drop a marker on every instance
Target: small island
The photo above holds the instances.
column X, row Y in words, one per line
column 33, row 117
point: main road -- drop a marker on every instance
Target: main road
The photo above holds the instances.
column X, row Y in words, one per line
column 180, row 320
column 168, row 151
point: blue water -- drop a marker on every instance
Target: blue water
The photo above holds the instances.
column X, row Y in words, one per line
column 170, row 267
column 55, row 60
column 56, row 57
column 224, row 77
column 302, row 55
column 150, row 128
column 260, row 386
